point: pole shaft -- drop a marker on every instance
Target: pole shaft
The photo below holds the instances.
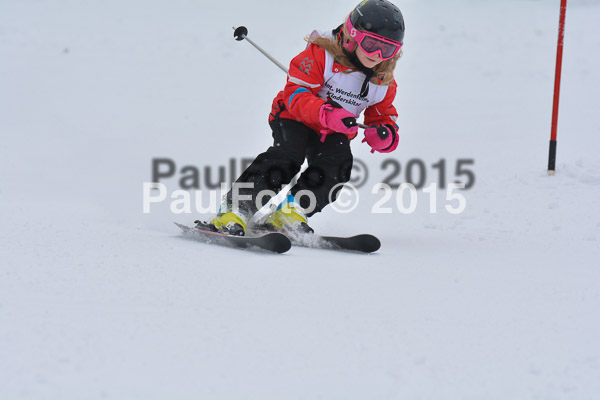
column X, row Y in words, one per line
column 283, row 68
column 557, row 76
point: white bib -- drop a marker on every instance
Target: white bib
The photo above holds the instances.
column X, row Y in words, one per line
column 344, row 88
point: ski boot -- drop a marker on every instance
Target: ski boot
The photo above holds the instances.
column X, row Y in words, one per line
column 230, row 222
column 289, row 217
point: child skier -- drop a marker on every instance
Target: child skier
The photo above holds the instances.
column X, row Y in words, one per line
column 339, row 75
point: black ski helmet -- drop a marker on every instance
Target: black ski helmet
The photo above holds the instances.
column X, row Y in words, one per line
column 379, row 17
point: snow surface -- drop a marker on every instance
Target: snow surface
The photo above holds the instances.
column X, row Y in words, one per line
column 101, row 301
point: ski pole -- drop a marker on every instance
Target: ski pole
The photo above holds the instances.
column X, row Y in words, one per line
column 241, row 32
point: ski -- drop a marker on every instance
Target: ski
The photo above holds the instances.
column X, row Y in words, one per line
column 270, row 241
column 364, row 243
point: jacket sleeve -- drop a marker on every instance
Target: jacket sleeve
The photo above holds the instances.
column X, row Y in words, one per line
column 304, row 81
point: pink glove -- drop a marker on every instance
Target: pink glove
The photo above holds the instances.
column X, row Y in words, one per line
column 383, row 139
column 336, row 119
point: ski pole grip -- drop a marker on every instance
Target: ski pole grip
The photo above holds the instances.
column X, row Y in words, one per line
column 240, row 33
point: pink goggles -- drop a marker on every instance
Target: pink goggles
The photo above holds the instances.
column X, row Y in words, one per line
column 371, row 43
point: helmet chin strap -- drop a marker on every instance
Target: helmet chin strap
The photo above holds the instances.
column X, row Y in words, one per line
column 364, row 91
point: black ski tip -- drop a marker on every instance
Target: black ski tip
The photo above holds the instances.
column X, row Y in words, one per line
column 368, row 243
column 364, row 243
column 276, row 242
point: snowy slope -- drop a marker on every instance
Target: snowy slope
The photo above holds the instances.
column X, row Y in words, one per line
column 99, row 300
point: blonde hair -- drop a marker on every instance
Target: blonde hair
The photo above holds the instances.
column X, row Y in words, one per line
column 384, row 71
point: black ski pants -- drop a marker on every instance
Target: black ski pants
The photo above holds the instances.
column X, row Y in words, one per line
column 329, row 164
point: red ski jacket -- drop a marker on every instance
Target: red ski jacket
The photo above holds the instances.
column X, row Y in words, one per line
column 314, row 77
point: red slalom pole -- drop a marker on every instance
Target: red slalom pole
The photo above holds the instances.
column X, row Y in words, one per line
column 559, row 54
